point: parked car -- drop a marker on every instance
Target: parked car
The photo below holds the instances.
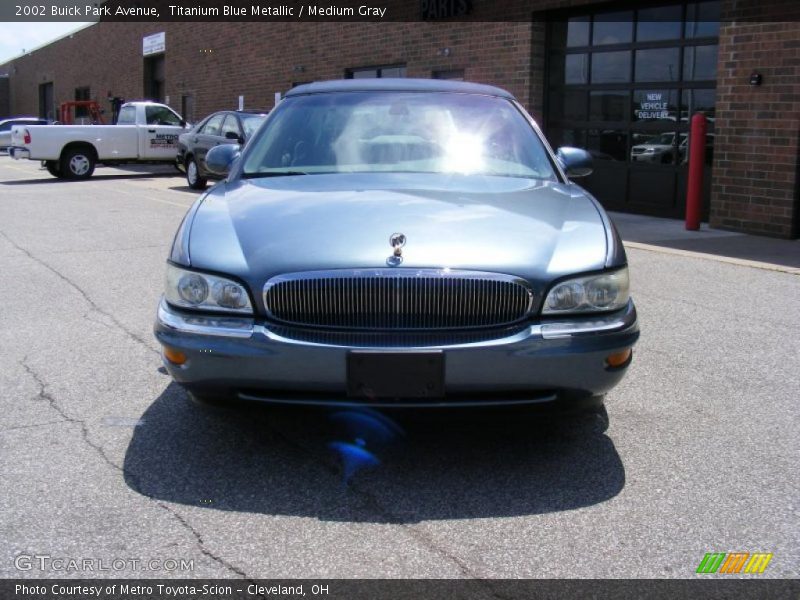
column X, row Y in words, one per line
column 146, row 132
column 660, row 149
column 403, row 243
column 6, row 124
column 224, row 127
column 683, row 149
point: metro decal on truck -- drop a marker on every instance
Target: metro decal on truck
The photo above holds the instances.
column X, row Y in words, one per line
column 162, row 140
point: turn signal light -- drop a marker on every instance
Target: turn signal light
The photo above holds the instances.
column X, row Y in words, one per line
column 176, row 357
column 618, row 358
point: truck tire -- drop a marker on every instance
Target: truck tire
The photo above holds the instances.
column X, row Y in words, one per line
column 193, row 176
column 78, row 163
column 54, row 168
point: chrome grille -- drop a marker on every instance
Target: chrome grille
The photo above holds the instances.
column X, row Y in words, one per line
column 398, row 299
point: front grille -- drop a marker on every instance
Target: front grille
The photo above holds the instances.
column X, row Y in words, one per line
column 398, row 299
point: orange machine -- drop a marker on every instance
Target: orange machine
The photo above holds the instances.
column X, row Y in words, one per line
column 66, row 112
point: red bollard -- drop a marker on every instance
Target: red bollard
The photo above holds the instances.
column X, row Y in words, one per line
column 697, row 161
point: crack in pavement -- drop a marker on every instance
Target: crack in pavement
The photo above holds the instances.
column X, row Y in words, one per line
column 44, row 395
column 201, row 542
column 5, row 429
column 138, row 339
column 370, row 501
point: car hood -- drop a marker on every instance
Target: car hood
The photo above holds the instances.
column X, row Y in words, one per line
column 654, row 146
column 258, row 228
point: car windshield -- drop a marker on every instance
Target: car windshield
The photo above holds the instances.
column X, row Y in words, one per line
column 251, row 122
column 398, row 132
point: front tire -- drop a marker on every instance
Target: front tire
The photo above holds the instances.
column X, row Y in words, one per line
column 78, row 163
column 193, row 176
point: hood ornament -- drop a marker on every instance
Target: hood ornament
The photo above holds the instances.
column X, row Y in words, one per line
column 397, row 240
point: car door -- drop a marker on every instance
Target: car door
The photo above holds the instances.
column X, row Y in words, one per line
column 162, row 129
column 207, row 137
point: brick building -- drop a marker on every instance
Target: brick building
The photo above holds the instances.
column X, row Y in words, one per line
column 620, row 79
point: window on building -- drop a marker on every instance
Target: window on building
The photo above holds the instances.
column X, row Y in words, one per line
column 82, row 94
column 376, row 72
column 624, row 84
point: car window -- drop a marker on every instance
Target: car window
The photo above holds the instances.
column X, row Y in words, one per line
column 230, row 125
column 161, row 115
column 127, row 116
column 5, row 126
column 250, row 123
column 213, row 126
column 431, row 132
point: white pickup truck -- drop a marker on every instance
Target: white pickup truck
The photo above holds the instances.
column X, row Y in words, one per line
column 146, row 132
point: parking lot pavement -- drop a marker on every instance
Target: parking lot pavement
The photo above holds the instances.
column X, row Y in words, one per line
column 104, row 458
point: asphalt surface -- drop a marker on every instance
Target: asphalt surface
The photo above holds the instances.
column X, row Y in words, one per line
column 104, row 458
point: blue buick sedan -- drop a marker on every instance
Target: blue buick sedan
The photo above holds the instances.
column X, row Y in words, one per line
column 404, row 243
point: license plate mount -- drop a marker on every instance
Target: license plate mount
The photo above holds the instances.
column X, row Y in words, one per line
column 395, row 374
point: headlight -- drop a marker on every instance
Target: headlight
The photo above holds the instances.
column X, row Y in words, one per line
column 590, row 293
column 190, row 289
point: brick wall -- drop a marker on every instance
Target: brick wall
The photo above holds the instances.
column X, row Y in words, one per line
column 106, row 57
column 217, row 62
column 755, row 187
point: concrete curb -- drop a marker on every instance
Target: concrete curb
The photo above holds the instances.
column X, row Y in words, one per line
column 715, row 257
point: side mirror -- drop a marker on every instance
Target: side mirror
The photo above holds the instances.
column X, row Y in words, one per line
column 183, row 123
column 232, row 135
column 576, row 162
column 220, row 158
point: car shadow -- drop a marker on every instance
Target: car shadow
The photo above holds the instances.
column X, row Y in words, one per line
column 185, row 188
column 451, row 465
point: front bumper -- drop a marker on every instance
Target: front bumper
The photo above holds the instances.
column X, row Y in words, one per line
column 554, row 360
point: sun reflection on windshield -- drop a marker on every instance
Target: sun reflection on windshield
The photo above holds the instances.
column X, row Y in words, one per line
column 464, row 153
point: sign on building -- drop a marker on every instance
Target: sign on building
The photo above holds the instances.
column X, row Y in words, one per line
column 154, row 44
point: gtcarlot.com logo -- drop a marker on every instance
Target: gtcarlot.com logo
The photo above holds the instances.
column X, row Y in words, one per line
column 46, row 562
column 730, row 563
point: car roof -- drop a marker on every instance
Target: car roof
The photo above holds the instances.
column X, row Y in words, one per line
column 398, row 85
column 248, row 111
